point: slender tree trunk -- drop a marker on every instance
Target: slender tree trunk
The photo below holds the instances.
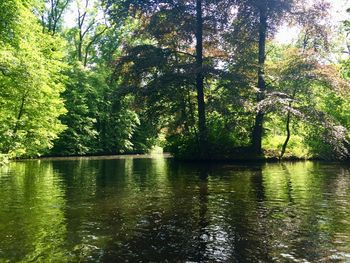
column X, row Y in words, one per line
column 284, row 147
column 289, row 117
column 19, row 115
column 193, row 118
column 202, row 131
column 80, row 46
column 259, row 118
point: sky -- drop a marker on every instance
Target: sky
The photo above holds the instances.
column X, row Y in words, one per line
column 287, row 34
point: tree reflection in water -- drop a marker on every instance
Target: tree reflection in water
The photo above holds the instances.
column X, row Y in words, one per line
column 141, row 209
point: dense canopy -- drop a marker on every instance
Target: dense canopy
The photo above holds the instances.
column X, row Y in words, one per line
column 202, row 79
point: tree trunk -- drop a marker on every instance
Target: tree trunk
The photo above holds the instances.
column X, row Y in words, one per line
column 259, row 118
column 202, row 131
column 80, row 46
column 284, row 147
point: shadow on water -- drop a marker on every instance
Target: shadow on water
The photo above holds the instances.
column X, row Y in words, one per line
column 155, row 209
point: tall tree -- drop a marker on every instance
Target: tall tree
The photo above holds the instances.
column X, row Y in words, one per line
column 258, row 126
column 314, row 39
column 89, row 29
column 262, row 18
column 202, row 127
column 51, row 14
column 31, row 84
column 173, row 43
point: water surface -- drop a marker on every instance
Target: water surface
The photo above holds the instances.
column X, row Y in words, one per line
column 154, row 209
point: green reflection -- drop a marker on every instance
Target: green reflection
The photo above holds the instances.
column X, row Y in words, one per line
column 32, row 221
column 139, row 209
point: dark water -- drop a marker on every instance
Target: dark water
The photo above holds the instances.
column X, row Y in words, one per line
column 152, row 210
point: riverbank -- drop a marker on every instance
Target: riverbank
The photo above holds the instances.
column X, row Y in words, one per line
column 240, row 155
column 99, row 157
column 245, row 154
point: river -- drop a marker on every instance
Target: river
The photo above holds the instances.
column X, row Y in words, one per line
column 154, row 209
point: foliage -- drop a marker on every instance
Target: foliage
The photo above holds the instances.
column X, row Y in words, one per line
column 204, row 76
column 300, row 87
column 31, row 83
column 80, row 97
column 51, row 13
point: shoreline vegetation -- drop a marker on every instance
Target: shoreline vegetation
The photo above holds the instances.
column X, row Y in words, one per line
column 234, row 159
column 92, row 78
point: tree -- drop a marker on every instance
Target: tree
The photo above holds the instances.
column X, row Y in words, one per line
column 178, row 66
column 314, row 40
column 31, row 83
column 89, row 29
column 299, row 79
column 202, row 127
column 262, row 17
column 97, row 121
column 51, row 15
column 80, row 97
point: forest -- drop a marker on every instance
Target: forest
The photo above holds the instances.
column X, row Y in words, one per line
column 201, row 79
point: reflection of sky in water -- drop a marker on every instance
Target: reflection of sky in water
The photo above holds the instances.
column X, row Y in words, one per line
column 155, row 210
